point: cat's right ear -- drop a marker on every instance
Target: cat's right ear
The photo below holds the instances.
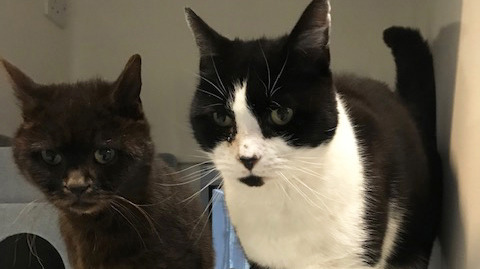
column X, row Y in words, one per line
column 23, row 86
column 127, row 88
column 208, row 40
column 311, row 34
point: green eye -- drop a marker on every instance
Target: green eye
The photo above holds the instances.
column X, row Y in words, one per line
column 51, row 157
column 222, row 119
column 104, row 156
column 281, row 116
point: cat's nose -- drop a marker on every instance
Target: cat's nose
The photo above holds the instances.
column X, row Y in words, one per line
column 76, row 183
column 77, row 189
column 249, row 162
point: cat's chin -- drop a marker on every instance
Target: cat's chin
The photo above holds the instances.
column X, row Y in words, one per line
column 252, row 181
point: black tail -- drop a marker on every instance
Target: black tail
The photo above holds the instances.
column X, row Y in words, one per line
column 415, row 79
column 416, row 86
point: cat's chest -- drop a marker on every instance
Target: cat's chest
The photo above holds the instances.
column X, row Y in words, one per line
column 297, row 229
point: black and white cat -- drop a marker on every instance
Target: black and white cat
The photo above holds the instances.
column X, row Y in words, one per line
column 320, row 171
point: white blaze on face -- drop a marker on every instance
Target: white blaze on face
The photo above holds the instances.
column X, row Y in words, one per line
column 249, row 138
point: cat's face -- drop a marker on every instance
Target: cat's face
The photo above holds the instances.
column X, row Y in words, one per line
column 83, row 144
column 259, row 103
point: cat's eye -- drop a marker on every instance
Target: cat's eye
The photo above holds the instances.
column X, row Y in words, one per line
column 222, row 119
column 282, row 115
column 51, row 157
column 104, row 156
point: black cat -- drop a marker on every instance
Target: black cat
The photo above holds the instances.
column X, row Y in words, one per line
column 87, row 146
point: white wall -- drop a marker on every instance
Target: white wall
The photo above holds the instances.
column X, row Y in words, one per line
column 455, row 28
column 34, row 44
column 465, row 135
column 357, row 27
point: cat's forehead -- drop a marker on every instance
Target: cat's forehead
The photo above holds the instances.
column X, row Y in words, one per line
column 63, row 101
column 255, row 63
column 80, row 93
column 241, row 58
column 71, row 111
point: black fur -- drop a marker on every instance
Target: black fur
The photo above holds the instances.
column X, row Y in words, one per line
column 252, row 181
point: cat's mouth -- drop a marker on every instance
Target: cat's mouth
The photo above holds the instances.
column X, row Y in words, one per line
column 252, row 181
column 83, row 206
column 86, row 208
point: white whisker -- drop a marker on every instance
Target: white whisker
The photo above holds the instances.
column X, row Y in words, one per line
column 317, row 195
column 112, row 205
column 33, row 248
column 214, row 196
column 197, row 173
column 263, row 83
column 32, row 203
column 309, row 172
column 191, row 197
column 311, row 163
column 211, row 94
column 278, row 76
column 213, row 84
column 307, row 199
column 266, row 62
column 212, row 105
column 190, row 167
column 218, row 76
column 275, row 91
column 283, row 189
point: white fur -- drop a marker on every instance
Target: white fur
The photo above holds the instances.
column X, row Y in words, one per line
column 309, row 213
column 393, row 225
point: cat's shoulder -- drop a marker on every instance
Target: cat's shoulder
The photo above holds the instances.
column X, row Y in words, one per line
column 372, row 104
column 351, row 86
column 367, row 95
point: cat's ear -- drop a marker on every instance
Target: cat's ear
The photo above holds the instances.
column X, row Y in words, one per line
column 208, row 40
column 312, row 32
column 25, row 88
column 128, row 86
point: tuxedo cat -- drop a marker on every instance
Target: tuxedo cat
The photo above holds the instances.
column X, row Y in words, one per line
column 320, row 170
column 87, row 146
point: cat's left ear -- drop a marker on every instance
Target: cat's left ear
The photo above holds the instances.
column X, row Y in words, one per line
column 311, row 34
column 208, row 40
column 25, row 88
column 128, row 86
